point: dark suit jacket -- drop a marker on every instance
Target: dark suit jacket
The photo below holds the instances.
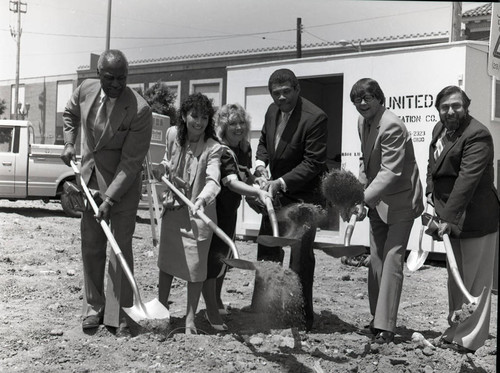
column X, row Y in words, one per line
column 117, row 157
column 461, row 180
column 389, row 169
column 300, row 158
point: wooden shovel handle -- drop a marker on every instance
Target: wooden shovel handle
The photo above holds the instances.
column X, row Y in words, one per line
column 111, row 239
column 272, row 216
column 454, row 268
column 350, row 229
column 219, row 232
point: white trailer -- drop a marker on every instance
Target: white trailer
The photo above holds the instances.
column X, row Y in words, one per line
column 410, row 77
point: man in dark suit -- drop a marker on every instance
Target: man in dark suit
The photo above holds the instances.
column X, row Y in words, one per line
column 393, row 194
column 460, row 185
column 293, row 145
column 116, row 125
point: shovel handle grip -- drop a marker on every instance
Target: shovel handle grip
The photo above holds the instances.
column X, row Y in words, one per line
column 111, row 239
column 350, row 229
column 454, row 268
column 219, row 232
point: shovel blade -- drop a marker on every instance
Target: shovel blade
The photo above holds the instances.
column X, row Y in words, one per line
column 475, row 311
column 416, row 259
column 272, row 241
column 240, row 263
column 152, row 310
column 338, row 251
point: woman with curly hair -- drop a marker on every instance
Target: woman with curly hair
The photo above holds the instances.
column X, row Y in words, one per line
column 232, row 125
column 192, row 163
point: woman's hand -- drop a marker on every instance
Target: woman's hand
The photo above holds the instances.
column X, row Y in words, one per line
column 199, row 205
column 262, row 195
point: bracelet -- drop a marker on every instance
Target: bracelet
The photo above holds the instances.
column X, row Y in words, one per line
column 68, row 143
column 109, row 201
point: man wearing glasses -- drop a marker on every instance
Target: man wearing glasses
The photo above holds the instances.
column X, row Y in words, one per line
column 393, row 195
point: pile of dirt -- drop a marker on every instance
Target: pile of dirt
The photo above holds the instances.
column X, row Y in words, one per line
column 279, row 294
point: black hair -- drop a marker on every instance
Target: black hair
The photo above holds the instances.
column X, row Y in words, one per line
column 450, row 90
column 283, row 76
column 370, row 86
column 203, row 105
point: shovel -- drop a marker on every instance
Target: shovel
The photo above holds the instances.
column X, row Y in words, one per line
column 417, row 258
column 219, row 232
column 476, row 303
column 153, row 310
column 338, row 250
column 275, row 239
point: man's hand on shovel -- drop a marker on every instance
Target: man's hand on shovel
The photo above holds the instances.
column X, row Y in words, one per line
column 104, row 211
column 68, row 154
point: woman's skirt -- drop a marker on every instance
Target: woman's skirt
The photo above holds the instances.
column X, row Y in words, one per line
column 181, row 254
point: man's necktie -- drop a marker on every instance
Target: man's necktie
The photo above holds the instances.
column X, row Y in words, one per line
column 281, row 128
column 439, row 144
column 100, row 119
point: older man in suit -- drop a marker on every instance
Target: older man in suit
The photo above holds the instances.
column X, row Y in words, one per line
column 393, row 195
column 116, row 125
column 293, row 145
column 460, row 184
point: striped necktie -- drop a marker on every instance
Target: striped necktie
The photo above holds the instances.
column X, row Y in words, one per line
column 439, row 144
column 281, row 128
column 100, row 119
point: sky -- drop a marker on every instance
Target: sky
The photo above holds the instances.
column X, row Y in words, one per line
column 58, row 36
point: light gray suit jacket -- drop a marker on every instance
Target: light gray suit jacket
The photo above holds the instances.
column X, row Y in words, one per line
column 117, row 157
column 388, row 168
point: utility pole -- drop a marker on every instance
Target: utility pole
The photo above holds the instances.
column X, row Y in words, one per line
column 456, row 21
column 17, row 7
column 299, row 37
column 108, row 27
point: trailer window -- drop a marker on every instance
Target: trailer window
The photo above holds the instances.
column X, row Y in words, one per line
column 6, row 139
column 496, row 106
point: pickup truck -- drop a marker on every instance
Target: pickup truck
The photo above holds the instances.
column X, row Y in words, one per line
column 31, row 171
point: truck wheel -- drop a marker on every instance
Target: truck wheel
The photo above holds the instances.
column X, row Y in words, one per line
column 66, row 206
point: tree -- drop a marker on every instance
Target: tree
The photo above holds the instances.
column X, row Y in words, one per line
column 3, row 106
column 162, row 100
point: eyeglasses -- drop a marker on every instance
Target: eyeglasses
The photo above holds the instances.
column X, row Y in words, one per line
column 366, row 98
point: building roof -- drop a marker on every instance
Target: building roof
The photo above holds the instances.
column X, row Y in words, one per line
column 483, row 10
column 344, row 46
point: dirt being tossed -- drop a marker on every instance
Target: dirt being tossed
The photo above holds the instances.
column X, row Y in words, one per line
column 297, row 218
column 342, row 189
column 279, row 293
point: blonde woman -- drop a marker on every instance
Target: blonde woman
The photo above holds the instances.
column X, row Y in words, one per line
column 232, row 125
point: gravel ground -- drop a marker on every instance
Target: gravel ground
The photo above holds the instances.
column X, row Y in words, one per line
column 41, row 295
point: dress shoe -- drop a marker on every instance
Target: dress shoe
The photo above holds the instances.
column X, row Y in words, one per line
column 220, row 327
column 224, row 311
column 384, row 337
column 443, row 343
column 91, row 322
column 369, row 329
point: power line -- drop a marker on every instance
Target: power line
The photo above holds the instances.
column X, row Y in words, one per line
column 378, row 17
column 223, row 36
